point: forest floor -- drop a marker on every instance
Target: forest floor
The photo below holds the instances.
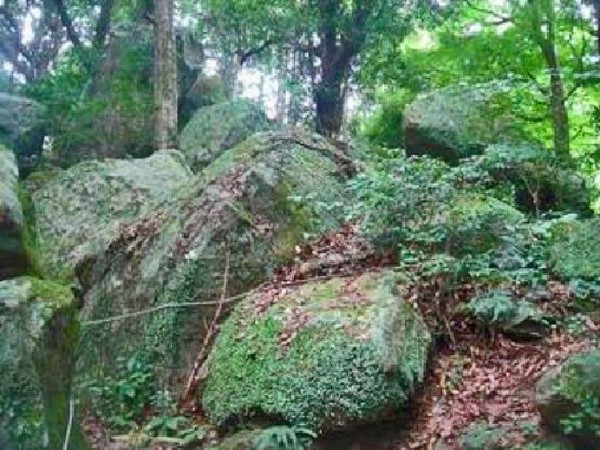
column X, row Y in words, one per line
column 474, row 377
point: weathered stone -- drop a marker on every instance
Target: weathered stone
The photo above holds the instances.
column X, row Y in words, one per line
column 324, row 355
column 13, row 252
column 217, row 128
column 251, row 207
column 452, row 123
column 22, row 128
column 38, row 335
column 80, row 209
column 570, row 394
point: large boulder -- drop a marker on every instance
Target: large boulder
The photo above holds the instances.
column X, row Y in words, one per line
column 22, row 127
column 453, row 123
column 13, row 252
column 38, row 336
column 568, row 397
column 217, row 128
column 242, row 217
column 80, row 209
column 323, row 355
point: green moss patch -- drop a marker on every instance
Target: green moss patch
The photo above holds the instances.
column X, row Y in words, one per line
column 325, row 355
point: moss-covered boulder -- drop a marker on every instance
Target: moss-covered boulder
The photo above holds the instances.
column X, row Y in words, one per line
column 38, row 335
column 453, row 123
column 216, row 128
column 13, row 253
column 242, row 218
column 539, row 181
column 568, row 399
column 80, row 209
column 574, row 252
column 22, row 128
column 323, row 355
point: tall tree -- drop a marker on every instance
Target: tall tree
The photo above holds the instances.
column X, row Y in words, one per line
column 165, row 63
column 540, row 22
column 331, row 33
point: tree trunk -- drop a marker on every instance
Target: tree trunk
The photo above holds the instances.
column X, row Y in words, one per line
column 328, row 94
column 596, row 6
column 165, row 87
column 558, row 107
column 329, row 103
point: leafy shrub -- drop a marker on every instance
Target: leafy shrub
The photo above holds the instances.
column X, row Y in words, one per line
column 108, row 114
column 176, row 427
column 497, row 310
column 284, row 438
column 478, row 225
column 481, row 436
column 422, row 208
column 402, row 201
column 574, row 251
column 384, row 127
column 119, row 399
column 539, row 181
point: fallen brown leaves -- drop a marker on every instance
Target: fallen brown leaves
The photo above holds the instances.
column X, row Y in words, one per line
column 493, row 384
column 341, row 253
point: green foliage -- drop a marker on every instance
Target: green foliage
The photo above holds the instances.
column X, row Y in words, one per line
column 574, row 251
column 439, row 220
column 498, row 310
column 384, row 127
column 481, row 436
column 539, row 181
column 284, row 438
column 98, row 115
column 402, row 201
column 120, row 398
column 580, row 384
column 177, row 427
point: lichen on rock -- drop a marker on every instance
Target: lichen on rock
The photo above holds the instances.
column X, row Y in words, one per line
column 217, row 128
column 323, row 355
column 254, row 208
column 14, row 260
column 80, row 209
column 39, row 332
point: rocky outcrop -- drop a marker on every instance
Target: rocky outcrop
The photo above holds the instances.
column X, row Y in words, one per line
column 13, row 252
column 216, row 128
column 79, row 210
column 324, row 355
column 22, row 128
column 241, row 218
column 39, row 332
column 452, row 123
column 567, row 399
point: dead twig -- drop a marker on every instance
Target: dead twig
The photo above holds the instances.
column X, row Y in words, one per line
column 194, row 378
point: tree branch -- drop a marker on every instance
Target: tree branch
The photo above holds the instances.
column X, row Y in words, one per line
column 67, row 23
column 255, row 51
column 103, row 24
column 500, row 18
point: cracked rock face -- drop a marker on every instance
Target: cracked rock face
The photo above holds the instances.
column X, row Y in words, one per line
column 150, row 244
column 13, row 253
